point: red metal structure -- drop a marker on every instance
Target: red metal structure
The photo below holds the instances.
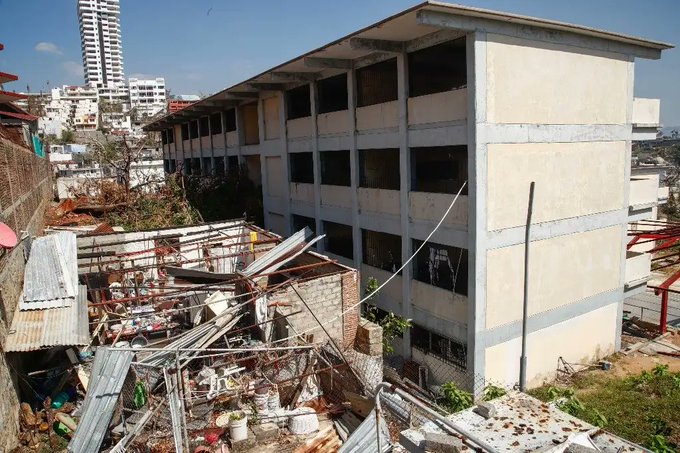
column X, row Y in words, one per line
column 665, row 236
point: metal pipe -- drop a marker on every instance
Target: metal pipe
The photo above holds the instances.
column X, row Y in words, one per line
column 525, row 305
column 438, row 417
column 663, row 319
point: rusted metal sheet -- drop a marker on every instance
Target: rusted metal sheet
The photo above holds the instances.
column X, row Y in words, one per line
column 38, row 329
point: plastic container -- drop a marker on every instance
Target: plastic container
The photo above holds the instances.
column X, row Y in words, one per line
column 63, row 397
column 261, row 402
column 238, row 429
column 303, row 421
column 274, row 402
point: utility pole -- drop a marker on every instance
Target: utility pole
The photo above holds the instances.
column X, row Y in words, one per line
column 525, row 305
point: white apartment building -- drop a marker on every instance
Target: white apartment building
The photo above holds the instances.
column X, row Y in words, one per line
column 71, row 107
column 367, row 140
column 147, row 96
column 100, row 41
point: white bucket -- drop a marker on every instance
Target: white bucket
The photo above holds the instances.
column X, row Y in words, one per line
column 238, row 429
column 274, row 400
column 303, row 421
column 261, row 402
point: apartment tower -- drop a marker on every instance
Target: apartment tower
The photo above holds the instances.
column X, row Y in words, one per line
column 100, row 41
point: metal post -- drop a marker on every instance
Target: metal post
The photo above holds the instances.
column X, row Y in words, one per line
column 663, row 321
column 525, row 307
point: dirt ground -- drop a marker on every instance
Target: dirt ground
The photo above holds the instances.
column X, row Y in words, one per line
column 636, row 362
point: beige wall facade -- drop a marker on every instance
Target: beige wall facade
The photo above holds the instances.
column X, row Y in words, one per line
column 533, row 82
column 379, row 200
column 572, row 179
column 272, row 119
column 439, row 302
column 429, row 207
column 583, row 339
column 563, row 270
column 333, row 122
column 378, row 116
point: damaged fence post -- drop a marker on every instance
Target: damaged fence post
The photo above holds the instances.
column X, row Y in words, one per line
column 178, row 384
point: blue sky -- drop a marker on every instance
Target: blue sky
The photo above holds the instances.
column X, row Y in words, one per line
column 201, row 46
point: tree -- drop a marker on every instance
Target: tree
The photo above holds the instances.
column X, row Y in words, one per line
column 67, row 136
column 392, row 325
column 119, row 155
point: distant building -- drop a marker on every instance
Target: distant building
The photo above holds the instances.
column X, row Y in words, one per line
column 147, row 96
column 180, row 101
column 71, row 107
column 100, row 40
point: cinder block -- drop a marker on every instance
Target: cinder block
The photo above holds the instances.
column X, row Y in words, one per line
column 265, row 432
column 443, row 443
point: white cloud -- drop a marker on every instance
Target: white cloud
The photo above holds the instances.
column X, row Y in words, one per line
column 48, row 47
column 72, row 68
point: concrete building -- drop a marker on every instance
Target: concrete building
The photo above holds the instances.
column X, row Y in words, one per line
column 70, row 107
column 180, row 101
column 148, row 97
column 100, row 42
column 368, row 139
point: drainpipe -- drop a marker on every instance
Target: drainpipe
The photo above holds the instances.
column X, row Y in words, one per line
column 525, row 307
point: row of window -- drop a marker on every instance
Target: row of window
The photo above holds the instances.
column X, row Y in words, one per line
column 432, row 70
column 437, row 169
column 447, row 349
column 443, row 266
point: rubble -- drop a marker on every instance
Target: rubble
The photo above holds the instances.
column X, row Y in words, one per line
column 201, row 338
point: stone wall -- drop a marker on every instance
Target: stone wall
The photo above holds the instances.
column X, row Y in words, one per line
column 25, row 191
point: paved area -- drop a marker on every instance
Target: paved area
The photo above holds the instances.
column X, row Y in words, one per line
column 647, row 306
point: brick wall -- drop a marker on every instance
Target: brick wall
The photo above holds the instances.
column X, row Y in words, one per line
column 25, row 190
column 327, row 297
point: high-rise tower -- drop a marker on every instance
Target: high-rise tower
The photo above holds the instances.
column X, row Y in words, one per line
column 100, row 41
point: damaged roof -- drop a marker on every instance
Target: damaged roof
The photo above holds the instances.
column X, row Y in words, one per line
column 51, row 274
column 44, row 328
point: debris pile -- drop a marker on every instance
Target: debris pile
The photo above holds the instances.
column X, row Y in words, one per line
column 213, row 337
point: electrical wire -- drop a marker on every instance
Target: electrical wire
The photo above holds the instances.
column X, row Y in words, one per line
column 373, row 293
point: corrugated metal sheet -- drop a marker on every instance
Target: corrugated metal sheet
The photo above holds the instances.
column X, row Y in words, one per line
column 364, row 439
column 282, row 253
column 37, row 329
column 109, row 370
column 51, row 275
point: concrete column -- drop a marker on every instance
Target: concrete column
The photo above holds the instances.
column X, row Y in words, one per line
column 223, row 121
column 626, row 195
column 200, row 146
column 184, row 156
column 354, row 166
column 285, row 164
column 240, row 134
column 477, row 183
column 212, row 147
column 404, row 187
column 317, row 162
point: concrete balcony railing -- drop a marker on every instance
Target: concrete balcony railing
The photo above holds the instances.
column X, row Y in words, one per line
column 644, row 192
column 646, row 112
column 302, row 192
column 638, row 268
column 340, row 196
column 378, row 116
column 439, row 302
column 438, row 107
column 429, row 207
column 663, row 194
column 381, row 201
column 646, row 118
column 333, row 122
column 299, row 127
